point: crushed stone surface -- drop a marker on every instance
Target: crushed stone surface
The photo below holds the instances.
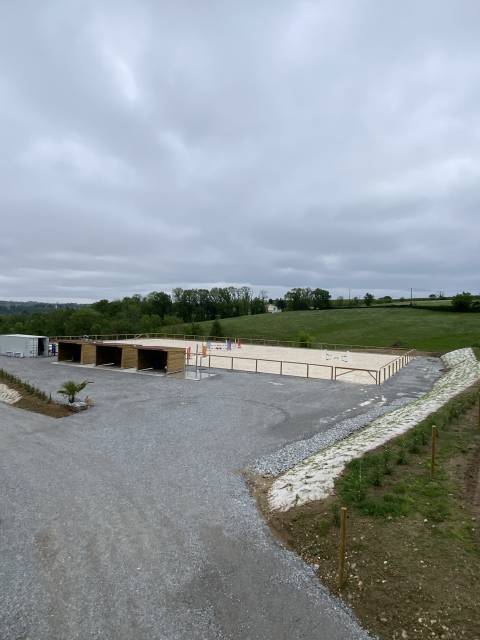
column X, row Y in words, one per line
column 133, row 519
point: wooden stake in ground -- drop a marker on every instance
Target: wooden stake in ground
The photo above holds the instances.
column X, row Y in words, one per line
column 343, row 547
column 434, row 450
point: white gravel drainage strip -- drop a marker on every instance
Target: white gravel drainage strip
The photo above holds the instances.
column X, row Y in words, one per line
column 10, row 396
column 314, row 477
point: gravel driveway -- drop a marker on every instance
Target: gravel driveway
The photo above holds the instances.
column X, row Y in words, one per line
column 132, row 520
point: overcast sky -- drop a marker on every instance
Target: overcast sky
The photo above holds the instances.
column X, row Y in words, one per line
column 146, row 145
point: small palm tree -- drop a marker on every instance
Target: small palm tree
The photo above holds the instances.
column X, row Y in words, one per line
column 70, row 388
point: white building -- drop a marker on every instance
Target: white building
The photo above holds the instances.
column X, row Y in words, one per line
column 19, row 345
column 272, row 308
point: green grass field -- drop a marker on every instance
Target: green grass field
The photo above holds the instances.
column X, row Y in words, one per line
column 423, row 303
column 383, row 327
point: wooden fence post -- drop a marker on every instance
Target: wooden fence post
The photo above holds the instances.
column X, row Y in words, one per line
column 479, row 409
column 342, row 547
column 434, row 450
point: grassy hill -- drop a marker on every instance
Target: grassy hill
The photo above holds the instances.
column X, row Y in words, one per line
column 382, row 326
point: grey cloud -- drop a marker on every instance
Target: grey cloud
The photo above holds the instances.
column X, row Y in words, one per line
column 153, row 144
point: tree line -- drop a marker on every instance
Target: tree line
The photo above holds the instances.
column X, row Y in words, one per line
column 152, row 313
column 158, row 311
column 305, row 298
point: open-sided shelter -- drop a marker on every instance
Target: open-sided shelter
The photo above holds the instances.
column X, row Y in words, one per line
column 79, row 351
column 122, row 355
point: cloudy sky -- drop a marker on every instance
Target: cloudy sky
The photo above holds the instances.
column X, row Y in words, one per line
column 151, row 144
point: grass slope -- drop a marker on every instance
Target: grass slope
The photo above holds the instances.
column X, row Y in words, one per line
column 384, row 327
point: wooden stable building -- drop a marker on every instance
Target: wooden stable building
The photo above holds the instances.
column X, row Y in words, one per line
column 172, row 359
column 79, row 351
column 123, row 356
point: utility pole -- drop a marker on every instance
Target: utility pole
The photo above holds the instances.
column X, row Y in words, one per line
column 411, row 296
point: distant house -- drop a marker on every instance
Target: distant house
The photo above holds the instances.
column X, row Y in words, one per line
column 272, row 308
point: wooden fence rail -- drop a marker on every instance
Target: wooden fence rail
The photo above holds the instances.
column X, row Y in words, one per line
column 260, row 341
column 335, row 371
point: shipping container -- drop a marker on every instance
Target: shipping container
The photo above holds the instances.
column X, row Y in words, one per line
column 23, row 346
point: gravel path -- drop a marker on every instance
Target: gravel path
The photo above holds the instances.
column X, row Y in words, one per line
column 132, row 520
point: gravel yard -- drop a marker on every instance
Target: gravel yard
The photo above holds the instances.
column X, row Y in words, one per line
column 133, row 520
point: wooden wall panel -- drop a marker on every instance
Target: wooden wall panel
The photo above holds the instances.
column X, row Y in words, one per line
column 176, row 361
column 89, row 353
column 129, row 357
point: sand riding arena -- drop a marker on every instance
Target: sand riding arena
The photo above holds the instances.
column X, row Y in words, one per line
column 348, row 364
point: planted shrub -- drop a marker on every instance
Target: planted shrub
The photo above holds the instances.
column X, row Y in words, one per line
column 402, row 455
column 423, row 436
column 335, row 509
column 304, row 340
column 414, row 443
column 353, row 489
column 376, row 473
column 71, row 388
column 216, row 330
column 387, row 461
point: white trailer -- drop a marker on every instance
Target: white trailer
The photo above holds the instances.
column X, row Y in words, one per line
column 18, row 345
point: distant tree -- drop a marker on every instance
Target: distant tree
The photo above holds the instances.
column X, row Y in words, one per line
column 149, row 324
column 432, row 296
column 158, row 303
column 299, row 299
column 368, row 298
column 462, row 301
column 170, row 321
column 354, row 302
column 195, row 329
column 385, row 299
column 81, row 321
column 257, row 305
column 102, row 306
column 216, row 330
column 184, row 303
column 321, row 298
